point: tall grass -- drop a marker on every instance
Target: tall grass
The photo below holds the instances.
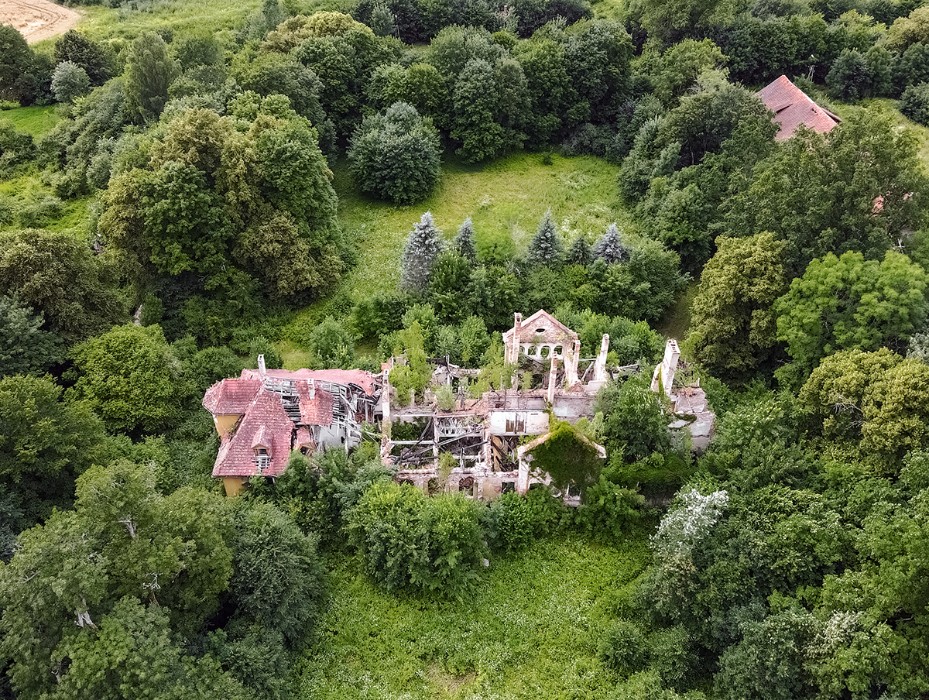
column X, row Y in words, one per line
column 530, row 631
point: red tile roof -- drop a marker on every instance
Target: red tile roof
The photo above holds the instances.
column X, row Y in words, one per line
column 315, row 405
column 230, row 396
column 335, row 376
column 266, row 424
column 793, row 108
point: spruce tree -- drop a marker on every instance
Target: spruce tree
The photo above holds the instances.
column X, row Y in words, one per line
column 580, row 253
column 422, row 248
column 545, row 248
column 464, row 241
column 610, row 247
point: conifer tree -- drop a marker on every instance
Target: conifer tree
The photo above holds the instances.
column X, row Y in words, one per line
column 580, row 252
column 610, row 247
column 545, row 248
column 464, row 241
column 422, row 248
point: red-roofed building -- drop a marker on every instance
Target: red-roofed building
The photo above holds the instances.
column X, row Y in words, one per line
column 263, row 415
column 793, row 108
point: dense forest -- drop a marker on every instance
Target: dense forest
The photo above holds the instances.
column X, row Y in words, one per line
column 208, row 171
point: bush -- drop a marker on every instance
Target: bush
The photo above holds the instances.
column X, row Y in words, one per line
column 69, row 81
column 397, row 155
column 914, row 103
column 319, row 491
column 411, row 542
column 670, row 654
column 15, row 147
column 40, row 212
column 515, row 521
column 610, row 511
column 624, row 648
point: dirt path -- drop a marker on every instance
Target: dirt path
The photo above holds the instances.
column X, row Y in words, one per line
column 37, row 19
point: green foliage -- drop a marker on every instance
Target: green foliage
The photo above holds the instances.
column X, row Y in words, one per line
column 610, row 511
column 129, row 377
column 546, row 248
column 69, row 81
column 272, row 73
column 318, row 492
column 609, row 247
column 624, row 648
column 149, row 71
column 634, row 421
column 396, row 156
column 60, row 278
column 331, row 344
column 422, row 248
column 15, row 147
column 135, row 648
column 849, row 302
column 222, row 231
column 733, row 322
column 23, row 74
column 93, row 57
column 409, row 541
column 122, row 540
column 414, row 375
column 24, row 347
column 914, row 103
column 642, row 287
column 508, row 638
column 818, row 192
column 769, row 662
column 277, row 577
column 568, row 456
column 489, row 102
column 676, row 70
column 85, row 146
column 45, row 443
column 514, row 522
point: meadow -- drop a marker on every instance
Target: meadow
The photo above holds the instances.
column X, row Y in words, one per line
column 531, row 630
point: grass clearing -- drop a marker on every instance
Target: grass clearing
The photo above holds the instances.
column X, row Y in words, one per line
column 36, row 121
column 506, row 199
column 182, row 17
column 530, row 631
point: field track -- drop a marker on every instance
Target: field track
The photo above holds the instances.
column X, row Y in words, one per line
column 37, row 19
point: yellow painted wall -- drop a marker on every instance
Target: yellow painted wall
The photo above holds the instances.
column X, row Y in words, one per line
column 233, row 485
column 225, row 423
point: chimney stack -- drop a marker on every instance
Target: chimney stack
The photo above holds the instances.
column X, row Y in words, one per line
column 262, row 370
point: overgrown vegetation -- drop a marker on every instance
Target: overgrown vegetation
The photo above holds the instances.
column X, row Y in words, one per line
column 186, row 185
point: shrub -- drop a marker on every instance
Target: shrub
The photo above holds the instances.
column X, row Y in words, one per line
column 514, row 521
column 396, row 155
column 69, row 81
column 914, row 103
column 15, row 146
column 424, row 545
column 610, row 510
column 624, row 648
column 670, row 654
column 331, row 344
column 318, row 492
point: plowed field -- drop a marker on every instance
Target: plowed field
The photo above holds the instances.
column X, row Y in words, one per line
column 37, row 19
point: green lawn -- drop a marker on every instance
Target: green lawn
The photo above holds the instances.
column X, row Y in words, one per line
column 33, row 120
column 27, row 187
column 506, row 199
column 182, row 16
column 530, row 631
